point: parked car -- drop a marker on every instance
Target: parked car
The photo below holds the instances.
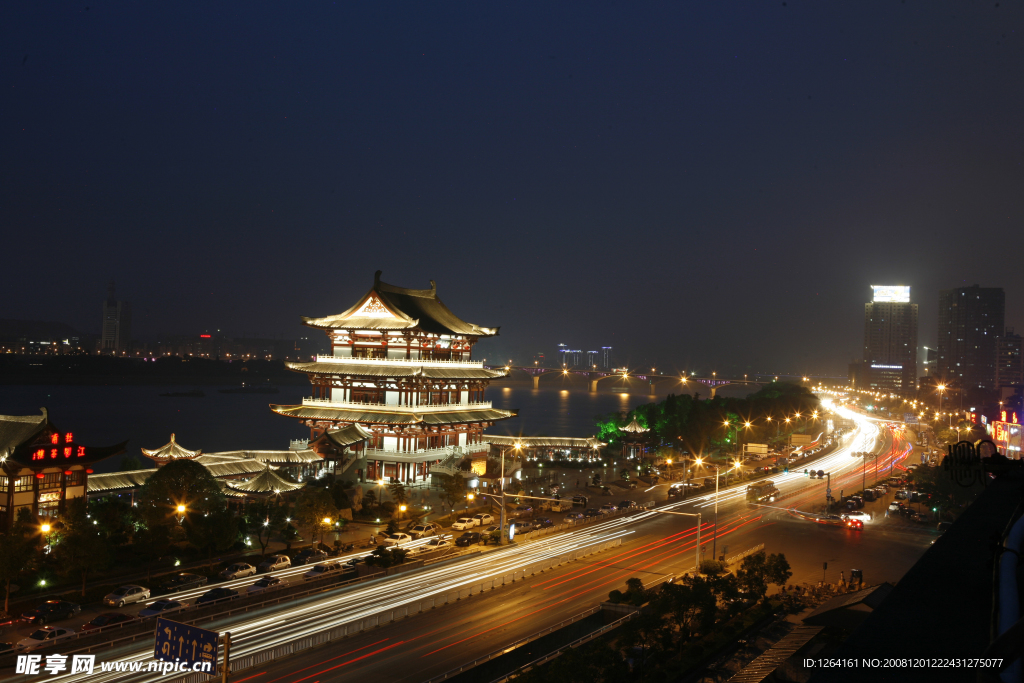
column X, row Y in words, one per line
column 579, row 500
column 463, row 523
column 51, row 610
column 894, row 506
column 469, row 538
column 325, row 569
column 432, row 545
column 907, row 511
column 483, row 519
column 182, row 581
column 215, row 594
column 162, row 607
column 854, row 524
column 943, row 526
column 605, row 491
column 107, row 619
column 265, row 584
column 424, row 530
column 44, row 637
column 626, row 504
column 350, row 564
column 574, row 518
column 308, row 556
column 591, row 512
column 608, row 508
column 520, row 511
column 239, row 570
column 542, row 523
column 275, row 562
column 395, row 540
column 126, row 595
column 858, row 501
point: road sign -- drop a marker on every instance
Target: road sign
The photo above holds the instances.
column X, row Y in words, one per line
column 179, row 642
column 828, row 492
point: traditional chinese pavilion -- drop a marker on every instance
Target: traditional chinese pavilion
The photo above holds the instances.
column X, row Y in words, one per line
column 41, row 467
column 401, row 367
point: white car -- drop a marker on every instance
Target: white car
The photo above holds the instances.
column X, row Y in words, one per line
column 126, row 595
column 856, row 514
column 397, row 540
column 894, row 507
column 162, row 607
column 275, row 562
column 432, row 545
column 321, row 570
column 464, row 523
column 44, row 637
column 267, row 583
column 239, row 570
column 483, row 519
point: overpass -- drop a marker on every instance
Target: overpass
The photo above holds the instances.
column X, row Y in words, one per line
column 594, row 377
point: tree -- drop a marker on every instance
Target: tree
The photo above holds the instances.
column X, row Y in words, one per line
column 129, row 463
column 15, row 553
column 777, row 570
column 624, row 473
column 312, row 508
column 80, row 551
column 752, row 575
column 453, row 489
column 642, row 634
column 213, row 532
column 265, row 518
column 182, row 482
column 386, row 557
column 397, row 492
column 691, row 606
column 150, row 544
column 339, row 492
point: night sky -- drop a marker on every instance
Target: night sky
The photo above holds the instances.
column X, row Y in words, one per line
column 698, row 184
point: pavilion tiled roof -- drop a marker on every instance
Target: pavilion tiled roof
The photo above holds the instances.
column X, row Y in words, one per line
column 266, row 481
column 17, row 429
column 393, row 370
column 545, row 441
column 346, row 436
column 392, row 418
column 115, row 481
column 387, row 307
column 634, row 427
column 172, row 450
column 288, row 457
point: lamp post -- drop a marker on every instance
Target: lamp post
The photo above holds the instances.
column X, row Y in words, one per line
column 502, row 536
column 181, row 514
column 714, row 539
column 696, row 566
column 45, row 528
column 327, row 523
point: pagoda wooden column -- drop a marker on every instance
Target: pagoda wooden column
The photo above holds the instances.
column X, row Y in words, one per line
column 63, row 492
column 35, row 494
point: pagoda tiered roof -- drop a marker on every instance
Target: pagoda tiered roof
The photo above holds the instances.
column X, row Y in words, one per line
column 171, row 451
column 634, row 427
column 387, row 307
column 385, row 417
column 396, row 369
column 267, row 481
column 545, row 441
column 347, row 436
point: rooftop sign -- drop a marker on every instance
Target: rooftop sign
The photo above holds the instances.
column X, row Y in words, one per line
column 891, row 293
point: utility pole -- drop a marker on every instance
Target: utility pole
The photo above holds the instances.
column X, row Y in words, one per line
column 227, row 657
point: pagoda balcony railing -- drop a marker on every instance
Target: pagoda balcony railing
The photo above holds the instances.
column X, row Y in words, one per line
column 402, row 361
column 427, row 453
column 390, row 407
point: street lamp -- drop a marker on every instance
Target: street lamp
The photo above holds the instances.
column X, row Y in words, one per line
column 181, row 514
column 327, row 523
column 714, row 539
column 502, row 536
column 45, row 528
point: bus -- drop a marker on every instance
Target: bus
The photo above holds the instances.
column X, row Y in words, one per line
column 762, row 492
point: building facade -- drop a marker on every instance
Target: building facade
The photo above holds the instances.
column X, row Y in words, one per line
column 890, row 341
column 1009, row 360
column 401, row 367
column 970, row 321
column 116, row 331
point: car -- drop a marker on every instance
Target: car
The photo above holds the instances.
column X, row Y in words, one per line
column 463, row 523
column 275, row 562
column 902, row 494
column 239, row 570
column 854, row 524
column 626, row 504
column 542, row 523
column 520, row 511
column 579, row 500
column 943, row 526
column 51, row 610
column 907, row 511
column 483, row 519
column 395, row 540
column 126, row 595
column 591, row 512
column 265, row 584
column 424, row 530
column 858, row 501
column 432, row 545
column 894, row 506
column 608, row 508
column 631, row 485
column 308, row 556
column 676, row 490
column 215, row 595
column 468, row 538
column 162, row 607
column 107, row 619
column 605, row 491
column 182, row 581
column 855, row 514
column 44, row 637
column 322, row 570
column 574, row 518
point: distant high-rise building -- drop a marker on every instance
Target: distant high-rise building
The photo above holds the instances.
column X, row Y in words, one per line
column 928, row 360
column 592, row 359
column 562, row 350
column 890, row 340
column 116, row 332
column 1009, row 360
column 606, row 357
column 970, row 320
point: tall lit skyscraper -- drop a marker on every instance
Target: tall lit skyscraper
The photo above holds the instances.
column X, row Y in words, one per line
column 1009, row 360
column 890, row 340
column 116, row 332
column 606, row 357
column 970, row 320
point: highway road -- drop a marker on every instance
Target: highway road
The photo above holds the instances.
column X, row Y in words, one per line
column 653, row 546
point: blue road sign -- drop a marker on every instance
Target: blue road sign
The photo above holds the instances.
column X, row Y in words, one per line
column 182, row 643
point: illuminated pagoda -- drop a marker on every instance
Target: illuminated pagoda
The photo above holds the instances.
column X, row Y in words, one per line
column 633, row 439
column 401, row 368
column 170, row 452
column 41, row 467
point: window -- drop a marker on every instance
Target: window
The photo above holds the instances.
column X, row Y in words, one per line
column 369, row 352
column 23, row 484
